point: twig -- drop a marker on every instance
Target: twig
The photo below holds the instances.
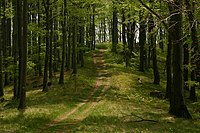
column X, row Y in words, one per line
column 141, row 119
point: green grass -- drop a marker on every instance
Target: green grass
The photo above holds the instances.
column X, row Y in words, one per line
column 42, row 107
column 116, row 113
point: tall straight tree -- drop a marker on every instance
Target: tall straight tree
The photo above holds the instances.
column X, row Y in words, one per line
column 195, row 61
column 15, row 49
column 142, row 42
column 114, row 29
column 19, row 43
column 64, row 27
column 74, row 45
column 152, row 42
column 177, row 101
column 22, row 102
column 1, row 55
column 46, row 63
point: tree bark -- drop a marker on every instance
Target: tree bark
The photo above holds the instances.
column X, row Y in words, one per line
column 142, row 43
column 177, row 101
column 114, row 30
column 64, row 26
column 22, row 101
column 46, row 63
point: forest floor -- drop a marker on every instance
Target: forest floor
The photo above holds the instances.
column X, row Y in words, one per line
column 105, row 97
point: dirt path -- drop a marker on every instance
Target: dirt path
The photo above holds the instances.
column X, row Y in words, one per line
column 103, row 81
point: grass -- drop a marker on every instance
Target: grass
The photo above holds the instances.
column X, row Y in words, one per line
column 117, row 112
column 42, row 107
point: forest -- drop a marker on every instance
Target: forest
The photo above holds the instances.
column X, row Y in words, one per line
column 99, row 66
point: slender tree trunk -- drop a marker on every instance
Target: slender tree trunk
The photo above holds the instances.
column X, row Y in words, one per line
column 39, row 42
column 195, row 48
column 69, row 49
column 114, row 30
column 74, row 32
column 152, row 42
column 64, row 26
column 169, row 64
column 46, row 63
column 22, row 101
column 1, row 55
column 142, row 43
column 15, row 50
column 51, row 47
column 19, row 22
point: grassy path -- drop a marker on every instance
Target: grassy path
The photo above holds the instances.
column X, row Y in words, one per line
column 101, row 86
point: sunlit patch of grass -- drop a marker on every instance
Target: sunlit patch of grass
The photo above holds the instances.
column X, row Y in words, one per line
column 43, row 107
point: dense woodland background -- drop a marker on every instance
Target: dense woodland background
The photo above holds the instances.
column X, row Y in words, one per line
column 47, row 38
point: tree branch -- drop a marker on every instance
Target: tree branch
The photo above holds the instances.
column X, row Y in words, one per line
column 154, row 13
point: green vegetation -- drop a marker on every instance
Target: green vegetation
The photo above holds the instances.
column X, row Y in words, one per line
column 126, row 107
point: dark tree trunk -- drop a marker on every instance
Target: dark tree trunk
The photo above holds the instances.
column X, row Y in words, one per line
column 39, row 43
column 114, row 30
column 15, row 50
column 81, row 42
column 64, row 26
column 22, row 101
column 55, row 50
column 69, row 49
column 186, row 63
column 142, row 43
column 46, row 63
column 152, row 42
column 74, row 45
column 51, row 47
column 169, row 63
column 1, row 55
column 195, row 49
column 19, row 22
column 177, row 101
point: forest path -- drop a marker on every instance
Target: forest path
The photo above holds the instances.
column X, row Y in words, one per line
column 82, row 110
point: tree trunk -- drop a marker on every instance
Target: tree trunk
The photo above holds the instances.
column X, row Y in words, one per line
column 1, row 55
column 74, row 45
column 46, row 63
column 22, row 101
column 153, row 44
column 195, row 61
column 114, row 30
column 177, row 101
column 51, row 47
column 142, row 43
column 39, row 43
column 15, row 50
column 64, row 26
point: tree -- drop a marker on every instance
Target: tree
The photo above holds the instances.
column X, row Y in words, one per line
column 64, row 26
column 142, row 42
column 46, row 66
column 1, row 55
column 195, row 61
column 114, row 29
column 177, row 101
column 22, row 102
